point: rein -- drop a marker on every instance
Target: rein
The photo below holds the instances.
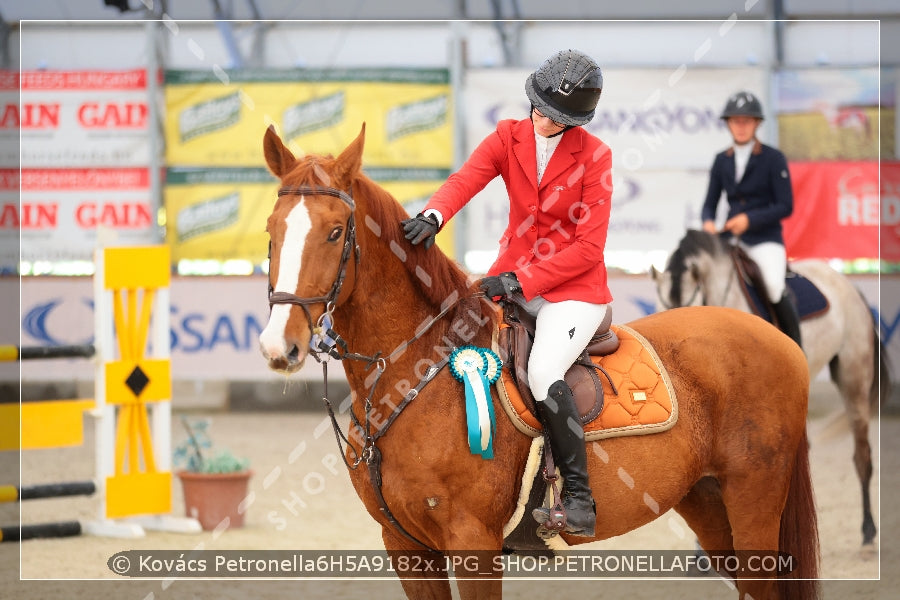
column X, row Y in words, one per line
column 370, row 452
column 333, row 345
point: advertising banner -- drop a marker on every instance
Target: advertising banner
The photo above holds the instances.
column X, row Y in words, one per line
column 63, row 211
column 832, row 114
column 890, row 211
column 219, row 340
column 83, row 119
column 220, row 214
column 9, row 220
column 219, row 119
column 836, row 210
column 650, row 118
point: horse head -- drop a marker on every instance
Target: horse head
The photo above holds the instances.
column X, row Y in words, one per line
column 685, row 281
column 312, row 245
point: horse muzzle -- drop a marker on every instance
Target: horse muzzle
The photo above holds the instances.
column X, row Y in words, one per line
column 286, row 363
column 283, row 355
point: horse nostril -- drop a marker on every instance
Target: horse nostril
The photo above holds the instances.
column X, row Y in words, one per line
column 294, row 353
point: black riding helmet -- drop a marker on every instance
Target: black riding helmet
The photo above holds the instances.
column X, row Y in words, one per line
column 743, row 104
column 566, row 87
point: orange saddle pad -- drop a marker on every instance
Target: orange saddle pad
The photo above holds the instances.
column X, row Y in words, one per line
column 645, row 402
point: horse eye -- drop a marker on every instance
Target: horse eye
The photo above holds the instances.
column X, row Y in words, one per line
column 335, row 234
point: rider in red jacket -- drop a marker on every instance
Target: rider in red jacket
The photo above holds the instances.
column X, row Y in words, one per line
column 558, row 177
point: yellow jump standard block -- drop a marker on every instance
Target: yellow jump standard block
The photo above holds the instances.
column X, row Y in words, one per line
column 133, row 494
column 140, row 267
column 45, row 424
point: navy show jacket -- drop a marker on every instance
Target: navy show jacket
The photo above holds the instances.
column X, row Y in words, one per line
column 763, row 193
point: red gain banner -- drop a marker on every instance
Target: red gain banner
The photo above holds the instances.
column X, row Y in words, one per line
column 63, row 213
column 81, row 118
column 836, row 210
column 85, row 151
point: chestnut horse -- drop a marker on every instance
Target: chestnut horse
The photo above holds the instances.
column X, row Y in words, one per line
column 735, row 465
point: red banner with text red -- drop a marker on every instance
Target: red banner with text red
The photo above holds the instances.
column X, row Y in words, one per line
column 890, row 211
column 836, row 210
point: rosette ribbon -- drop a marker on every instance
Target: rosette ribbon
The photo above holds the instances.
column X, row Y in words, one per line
column 478, row 369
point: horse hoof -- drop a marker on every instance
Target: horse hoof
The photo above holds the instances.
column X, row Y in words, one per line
column 868, row 551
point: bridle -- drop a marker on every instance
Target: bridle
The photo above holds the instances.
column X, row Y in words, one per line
column 350, row 247
column 333, row 345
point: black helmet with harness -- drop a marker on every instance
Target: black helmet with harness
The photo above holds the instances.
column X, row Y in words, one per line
column 743, row 104
column 566, row 88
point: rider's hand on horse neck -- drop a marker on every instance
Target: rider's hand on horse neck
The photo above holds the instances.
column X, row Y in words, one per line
column 420, row 229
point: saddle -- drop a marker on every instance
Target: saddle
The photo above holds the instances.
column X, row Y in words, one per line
column 514, row 341
column 807, row 298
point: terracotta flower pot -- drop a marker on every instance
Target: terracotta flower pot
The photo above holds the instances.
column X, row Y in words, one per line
column 212, row 497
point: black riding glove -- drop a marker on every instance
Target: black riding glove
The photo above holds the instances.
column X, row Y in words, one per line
column 500, row 286
column 421, row 229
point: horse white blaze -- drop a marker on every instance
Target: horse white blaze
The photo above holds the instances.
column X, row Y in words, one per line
column 271, row 340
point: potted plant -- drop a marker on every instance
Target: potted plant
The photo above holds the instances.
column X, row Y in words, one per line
column 214, row 481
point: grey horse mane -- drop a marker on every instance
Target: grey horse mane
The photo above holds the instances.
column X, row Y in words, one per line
column 694, row 243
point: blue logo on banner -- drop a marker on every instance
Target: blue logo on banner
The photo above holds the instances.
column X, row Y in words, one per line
column 35, row 323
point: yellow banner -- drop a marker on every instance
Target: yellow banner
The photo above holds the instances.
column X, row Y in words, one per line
column 220, row 120
column 220, row 214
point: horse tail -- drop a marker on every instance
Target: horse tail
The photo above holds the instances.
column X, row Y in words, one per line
column 881, row 384
column 799, row 536
column 881, row 390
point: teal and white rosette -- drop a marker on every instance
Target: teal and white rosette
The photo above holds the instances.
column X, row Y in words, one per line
column 478, row 369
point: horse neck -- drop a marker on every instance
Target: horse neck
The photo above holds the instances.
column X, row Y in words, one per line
column 385, row 310
column 721, row 286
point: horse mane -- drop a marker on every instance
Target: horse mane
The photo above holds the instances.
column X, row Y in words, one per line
column 694, row 243
column 440, row 278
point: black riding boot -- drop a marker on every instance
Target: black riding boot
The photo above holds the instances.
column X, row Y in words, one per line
column 560, row 419
column 788, row 320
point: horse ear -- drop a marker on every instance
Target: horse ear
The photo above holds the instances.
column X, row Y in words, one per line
column 278, row 157
column 349, row 163
column 654, row 274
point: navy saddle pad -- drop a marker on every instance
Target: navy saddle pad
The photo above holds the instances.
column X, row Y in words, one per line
column 806, row 296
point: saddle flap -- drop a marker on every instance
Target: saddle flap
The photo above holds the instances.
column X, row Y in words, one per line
column 515, row 339
column 587, row 390
column 808, row 299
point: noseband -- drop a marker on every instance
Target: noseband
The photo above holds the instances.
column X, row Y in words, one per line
column 350, row 246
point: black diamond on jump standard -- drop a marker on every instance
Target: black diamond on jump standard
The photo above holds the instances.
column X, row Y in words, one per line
column 137, row 381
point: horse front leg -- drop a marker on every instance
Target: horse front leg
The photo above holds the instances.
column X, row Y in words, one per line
column 422, row 574
column 474, row 559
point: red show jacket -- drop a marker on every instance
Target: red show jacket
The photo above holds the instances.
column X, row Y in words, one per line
column 557, row 230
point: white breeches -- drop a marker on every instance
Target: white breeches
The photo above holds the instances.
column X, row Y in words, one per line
column 563, row 331
column 772, row 260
